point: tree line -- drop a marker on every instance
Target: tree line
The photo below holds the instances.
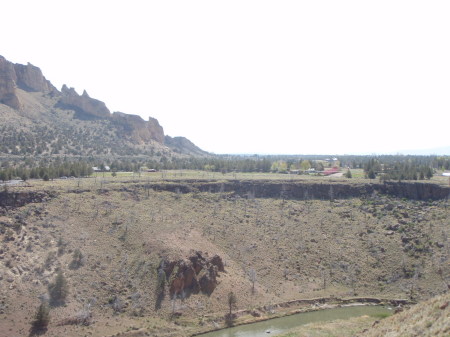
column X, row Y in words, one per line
column 396, row 167
column 410, row 169
column 46, row 172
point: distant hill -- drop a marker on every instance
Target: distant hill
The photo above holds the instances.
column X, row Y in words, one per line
column 440, row 151
column 183, row 145
column 38, row 119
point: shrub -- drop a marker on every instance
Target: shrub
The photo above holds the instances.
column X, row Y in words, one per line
column 61, row 246
column 50, row 259
column 77, row 259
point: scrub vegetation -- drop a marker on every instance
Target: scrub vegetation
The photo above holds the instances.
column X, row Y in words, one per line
column 114, row 254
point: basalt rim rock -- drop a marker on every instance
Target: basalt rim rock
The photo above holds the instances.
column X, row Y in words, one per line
column 19, row 199
column 306, row 190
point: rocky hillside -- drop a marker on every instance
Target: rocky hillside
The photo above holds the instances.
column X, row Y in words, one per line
column 38, row 119
column 428, row 318
column 160, row 257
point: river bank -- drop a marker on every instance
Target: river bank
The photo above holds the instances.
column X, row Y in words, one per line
column 294, row 307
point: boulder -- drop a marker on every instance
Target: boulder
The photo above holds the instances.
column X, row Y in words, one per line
column 193, row 275
column 208, row 281
column 198, row 262
column 216, row 260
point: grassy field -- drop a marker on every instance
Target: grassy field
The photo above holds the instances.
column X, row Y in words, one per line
column 357, row 176
column 379, row 247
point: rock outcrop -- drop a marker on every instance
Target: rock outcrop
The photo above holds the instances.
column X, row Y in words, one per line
column 131, row 126
column 139, row 130
column 30, row 78
column 309, row 190
column 196, row 274
column 131, row 131
column 84, row 106
column 8, row 85
column 26, row 77
column 19, row 199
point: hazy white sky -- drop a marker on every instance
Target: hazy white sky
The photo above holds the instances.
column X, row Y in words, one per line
column 252, row 76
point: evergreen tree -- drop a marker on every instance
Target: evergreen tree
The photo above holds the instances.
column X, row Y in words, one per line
column 3, row 175
column 58, row 290
column 41, row 318
column 78, row 259
column 348, row 174
column 24, row 176
column 231, row 301
column 371, row 174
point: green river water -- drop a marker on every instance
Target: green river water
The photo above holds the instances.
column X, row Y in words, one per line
column 278, row 325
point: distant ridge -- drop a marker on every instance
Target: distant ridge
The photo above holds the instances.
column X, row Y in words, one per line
column 38, row 119
column 183, row 145
column 440, row 151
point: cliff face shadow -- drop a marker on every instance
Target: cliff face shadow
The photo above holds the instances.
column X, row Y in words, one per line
column 79, row 113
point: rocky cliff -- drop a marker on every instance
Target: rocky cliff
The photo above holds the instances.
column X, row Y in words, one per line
column 8, row 79
column 308, row 190
column 84, row 106
column 19, row 199
column 139, row 130
column 30, row 78
column 118, row 132
column 131, row 126
column 26, row 77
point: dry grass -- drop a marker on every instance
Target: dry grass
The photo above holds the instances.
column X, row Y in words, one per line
column 429, row 318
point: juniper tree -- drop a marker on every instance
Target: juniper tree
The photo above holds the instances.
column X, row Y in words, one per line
column 252, row 276
column 41, row 318
column 231, row 301
column 58, row 290
column 77, row 259
column 348, row 174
